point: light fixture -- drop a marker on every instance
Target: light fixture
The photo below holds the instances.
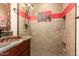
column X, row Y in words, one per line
column 29, row 5
column 78, row 4
column 15, row 10
column 23, row 5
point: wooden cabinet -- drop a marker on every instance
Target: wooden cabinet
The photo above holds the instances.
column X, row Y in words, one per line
column 23, row 49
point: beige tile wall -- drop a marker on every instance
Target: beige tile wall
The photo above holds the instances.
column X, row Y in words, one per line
column 47, row 36
column 23, row 21
column 70, row 33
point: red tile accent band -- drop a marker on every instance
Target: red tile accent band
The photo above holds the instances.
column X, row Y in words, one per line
column 54, row 16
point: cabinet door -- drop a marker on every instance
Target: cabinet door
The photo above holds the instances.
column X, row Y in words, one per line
column 26, row 52
column 20, row 49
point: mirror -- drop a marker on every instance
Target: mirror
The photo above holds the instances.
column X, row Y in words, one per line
column 5, row 23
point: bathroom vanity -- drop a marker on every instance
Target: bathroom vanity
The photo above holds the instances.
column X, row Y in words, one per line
column 17, row 46
column 11, row 45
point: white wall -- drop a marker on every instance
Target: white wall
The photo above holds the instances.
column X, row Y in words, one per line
column 13, row 19
column 77, row 41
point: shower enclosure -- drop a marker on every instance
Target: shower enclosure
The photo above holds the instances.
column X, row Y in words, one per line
column 52, row 26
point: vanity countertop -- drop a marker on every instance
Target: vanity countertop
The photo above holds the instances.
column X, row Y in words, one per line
column 15, row 43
